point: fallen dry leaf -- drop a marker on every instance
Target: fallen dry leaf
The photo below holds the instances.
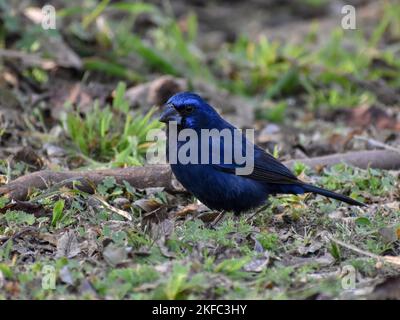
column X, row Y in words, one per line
column 68, row 245
column 389, row 234
column 65, row 276
column 191, row 208
column 114, row 254
column 148, row 205
column 313, row 247
column 258, row 264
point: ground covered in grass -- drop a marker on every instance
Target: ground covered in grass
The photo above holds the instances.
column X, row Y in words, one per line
column 86, row 94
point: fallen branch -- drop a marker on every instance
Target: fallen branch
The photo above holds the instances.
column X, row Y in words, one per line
column 161, row 175
column 377, row 159
column 377, row 143
column 138, row 177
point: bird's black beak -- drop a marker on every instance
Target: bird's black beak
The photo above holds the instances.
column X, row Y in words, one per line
column 170, row 114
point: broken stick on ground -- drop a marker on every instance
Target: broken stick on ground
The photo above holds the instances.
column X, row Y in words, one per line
column 161, row 175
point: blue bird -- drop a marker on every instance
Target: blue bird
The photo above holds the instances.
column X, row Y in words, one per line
column 218, row 185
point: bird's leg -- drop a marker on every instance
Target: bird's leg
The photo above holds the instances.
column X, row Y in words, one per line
column 217, row 219
column 248, row 219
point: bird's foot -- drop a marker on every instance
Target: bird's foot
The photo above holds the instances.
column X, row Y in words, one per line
column 218, row 218
column 249, row 218
column 261, row 209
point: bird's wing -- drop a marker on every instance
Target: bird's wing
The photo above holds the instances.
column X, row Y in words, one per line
column 266, row 168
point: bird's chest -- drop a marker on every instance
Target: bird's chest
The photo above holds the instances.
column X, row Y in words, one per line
column 199, row 177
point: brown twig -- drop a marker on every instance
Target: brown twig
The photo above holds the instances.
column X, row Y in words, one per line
column 161, row 175
column 138, row 177
column 378, row 159
column 376, row 143
column 393, row 260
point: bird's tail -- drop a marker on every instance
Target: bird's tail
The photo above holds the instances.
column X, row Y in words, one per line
column 331, row 194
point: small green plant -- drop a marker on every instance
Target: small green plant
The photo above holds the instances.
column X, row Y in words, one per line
column 334, row 250
column 231, row 266
column 57, row 211
column 14, row 217
column 111, row 136
column 374, row 181
column 299, row 168
column 339, row 98
column 3, row 202
column 269, row 241
column 179, row 284
column 274, row 114
column 175, row 285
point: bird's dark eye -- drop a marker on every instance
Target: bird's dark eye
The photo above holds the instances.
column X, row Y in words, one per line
column 188, row 109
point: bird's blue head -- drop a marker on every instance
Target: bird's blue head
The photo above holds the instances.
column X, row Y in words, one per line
column 189, row 110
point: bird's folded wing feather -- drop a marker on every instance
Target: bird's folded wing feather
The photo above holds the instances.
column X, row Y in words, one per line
column 266, row 168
